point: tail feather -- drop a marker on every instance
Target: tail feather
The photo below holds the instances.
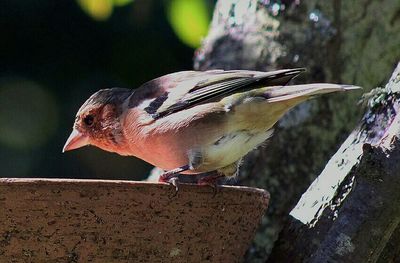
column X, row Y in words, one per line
column 252, row 113
column 305, row 91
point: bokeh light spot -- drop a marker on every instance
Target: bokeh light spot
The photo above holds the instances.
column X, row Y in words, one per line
column 28, row 114
column 122, row 2
column 189, row 20
column 101, row 10
column 97, row 9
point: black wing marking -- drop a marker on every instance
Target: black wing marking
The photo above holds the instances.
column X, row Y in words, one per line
column 215, row 87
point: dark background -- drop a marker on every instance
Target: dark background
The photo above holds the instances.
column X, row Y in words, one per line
column 54, row 55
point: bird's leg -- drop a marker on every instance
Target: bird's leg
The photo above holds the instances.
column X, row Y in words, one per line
column 225, row 172
column 211, row 180
column 171, row 176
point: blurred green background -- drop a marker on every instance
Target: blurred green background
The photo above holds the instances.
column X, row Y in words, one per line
column 55, row 54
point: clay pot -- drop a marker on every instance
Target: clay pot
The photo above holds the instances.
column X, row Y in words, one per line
column 123, row 221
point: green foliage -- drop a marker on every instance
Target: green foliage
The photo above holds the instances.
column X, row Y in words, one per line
column 101, row 10
column 189, row 20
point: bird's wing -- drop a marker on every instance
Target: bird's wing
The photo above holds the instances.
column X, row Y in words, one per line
column 182, row 90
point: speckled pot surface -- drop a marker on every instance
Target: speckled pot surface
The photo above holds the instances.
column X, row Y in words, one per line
column 124, row 221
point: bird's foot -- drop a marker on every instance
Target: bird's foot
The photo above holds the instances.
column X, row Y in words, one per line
column 166, row 177
column 212, row 181
column 171, row 177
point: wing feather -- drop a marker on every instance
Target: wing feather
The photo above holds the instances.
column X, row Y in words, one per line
column 187, row 89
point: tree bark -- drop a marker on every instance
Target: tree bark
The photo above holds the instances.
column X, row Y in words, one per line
column 252, row 35
column 350, row 213
column 336, row 42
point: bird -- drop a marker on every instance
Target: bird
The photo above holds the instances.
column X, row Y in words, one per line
column 192, row 122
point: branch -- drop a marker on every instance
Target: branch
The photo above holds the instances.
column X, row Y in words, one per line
column 350, row 212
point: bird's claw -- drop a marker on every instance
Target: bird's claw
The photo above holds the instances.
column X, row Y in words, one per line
column 165, row 177
column 174, row 181
column 212, row 181
column 171, row 179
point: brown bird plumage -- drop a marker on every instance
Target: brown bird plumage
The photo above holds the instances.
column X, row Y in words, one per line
column 192, row 122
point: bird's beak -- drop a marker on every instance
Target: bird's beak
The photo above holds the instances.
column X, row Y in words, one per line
column 75, row 140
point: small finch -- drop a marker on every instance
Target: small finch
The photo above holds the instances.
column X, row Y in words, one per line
column 192, row 122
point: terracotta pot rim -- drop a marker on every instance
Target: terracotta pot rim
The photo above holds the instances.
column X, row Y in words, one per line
column 63, row 181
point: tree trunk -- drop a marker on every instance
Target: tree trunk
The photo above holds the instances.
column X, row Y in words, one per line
column 336, row 43
column 350, row 213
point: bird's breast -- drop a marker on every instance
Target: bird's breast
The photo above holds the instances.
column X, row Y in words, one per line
column 231, row 147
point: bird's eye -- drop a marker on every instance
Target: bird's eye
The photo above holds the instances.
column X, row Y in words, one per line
column 88, row 120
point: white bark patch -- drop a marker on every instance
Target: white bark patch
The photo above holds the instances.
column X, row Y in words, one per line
column 322, row 191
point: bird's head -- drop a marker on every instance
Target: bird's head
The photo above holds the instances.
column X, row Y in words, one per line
column 98, row 121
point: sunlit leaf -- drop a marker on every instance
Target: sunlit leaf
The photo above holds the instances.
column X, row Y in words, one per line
column 98, row 9
column 189, row 19
column 122, row 2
